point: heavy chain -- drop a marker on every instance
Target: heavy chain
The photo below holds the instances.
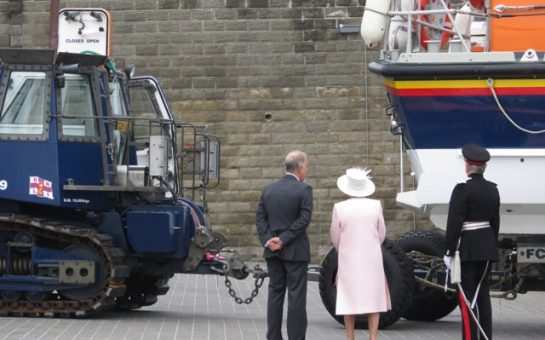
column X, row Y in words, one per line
column 259, row 278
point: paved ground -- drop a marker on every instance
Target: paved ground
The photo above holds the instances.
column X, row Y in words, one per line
column 199, row 307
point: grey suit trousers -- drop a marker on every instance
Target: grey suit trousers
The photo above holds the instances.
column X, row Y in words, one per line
column 293, row 276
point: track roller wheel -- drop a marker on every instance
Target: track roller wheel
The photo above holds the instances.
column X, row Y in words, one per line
column 101, row 274
column 36, row 296
column 10, row 295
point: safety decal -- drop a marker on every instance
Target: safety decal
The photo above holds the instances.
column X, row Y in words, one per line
column 41, row 187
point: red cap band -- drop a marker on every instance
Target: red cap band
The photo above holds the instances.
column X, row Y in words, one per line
column 473, row 162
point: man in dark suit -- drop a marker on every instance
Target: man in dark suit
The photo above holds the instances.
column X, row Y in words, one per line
column 473, row 225
column 282, row 218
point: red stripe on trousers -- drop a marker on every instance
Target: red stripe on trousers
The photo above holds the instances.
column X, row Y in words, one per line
column 465, row 317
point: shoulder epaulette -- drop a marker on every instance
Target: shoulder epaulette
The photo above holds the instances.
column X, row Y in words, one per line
column 464, row 181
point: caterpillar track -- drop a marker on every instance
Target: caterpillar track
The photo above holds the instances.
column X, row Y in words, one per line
column 143, row 291
column 56, row 304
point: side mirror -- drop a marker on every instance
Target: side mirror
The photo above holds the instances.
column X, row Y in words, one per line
column 130, row 71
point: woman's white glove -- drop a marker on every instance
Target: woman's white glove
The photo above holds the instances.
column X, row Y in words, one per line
column 448, row 261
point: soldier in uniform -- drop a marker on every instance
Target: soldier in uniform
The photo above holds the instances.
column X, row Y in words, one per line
column 472, row 227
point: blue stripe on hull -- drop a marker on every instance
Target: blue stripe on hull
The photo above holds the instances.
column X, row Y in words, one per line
column 444, row 122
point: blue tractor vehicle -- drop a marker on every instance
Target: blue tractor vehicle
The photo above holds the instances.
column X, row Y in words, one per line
column 98, row 188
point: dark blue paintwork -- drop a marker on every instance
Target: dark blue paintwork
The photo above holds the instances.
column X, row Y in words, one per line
column 82, row 163
column 160, row 230
column 22, row 159
column 446, row 122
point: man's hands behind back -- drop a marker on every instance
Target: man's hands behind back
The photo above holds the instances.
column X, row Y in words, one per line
column 274, row 244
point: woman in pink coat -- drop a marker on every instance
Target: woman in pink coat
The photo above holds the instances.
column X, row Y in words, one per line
column 357, row 232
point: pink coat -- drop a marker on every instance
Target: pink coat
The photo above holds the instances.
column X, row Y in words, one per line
column 357, row 232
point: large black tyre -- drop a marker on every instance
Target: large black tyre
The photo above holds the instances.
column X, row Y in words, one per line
column 420, row 309
column 399, row 273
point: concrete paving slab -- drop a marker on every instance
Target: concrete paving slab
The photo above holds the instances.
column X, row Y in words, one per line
column 199, row 307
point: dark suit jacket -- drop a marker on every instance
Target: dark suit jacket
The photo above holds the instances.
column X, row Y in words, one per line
column 285, row 210
column 476, row 200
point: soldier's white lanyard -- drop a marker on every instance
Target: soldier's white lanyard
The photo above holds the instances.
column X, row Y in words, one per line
column 479, row 286
column 465, row 300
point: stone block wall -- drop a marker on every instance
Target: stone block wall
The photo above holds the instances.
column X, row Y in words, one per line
column 267, row 76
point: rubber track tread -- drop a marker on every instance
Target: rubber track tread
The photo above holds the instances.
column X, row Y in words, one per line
column 56, row 230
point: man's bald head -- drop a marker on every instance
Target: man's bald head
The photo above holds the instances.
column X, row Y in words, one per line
column 296, row 163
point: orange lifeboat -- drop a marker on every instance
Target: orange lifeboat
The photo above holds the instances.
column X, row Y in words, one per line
column 517, row 29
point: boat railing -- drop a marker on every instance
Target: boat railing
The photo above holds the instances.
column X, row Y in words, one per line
column 443, row 26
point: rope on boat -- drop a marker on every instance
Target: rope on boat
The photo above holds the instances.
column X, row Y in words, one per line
column 490, row 83
column 503, row 8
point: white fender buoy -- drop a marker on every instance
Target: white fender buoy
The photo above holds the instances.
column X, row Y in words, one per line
column 397, row 35
column 462, row 22
column 405, row 5
column 373, row 23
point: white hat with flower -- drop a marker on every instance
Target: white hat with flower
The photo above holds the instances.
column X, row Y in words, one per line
column 356, row 183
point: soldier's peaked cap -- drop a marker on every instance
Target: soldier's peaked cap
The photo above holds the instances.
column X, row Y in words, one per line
column 475, row 154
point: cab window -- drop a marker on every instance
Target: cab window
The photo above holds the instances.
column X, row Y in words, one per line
column 78, row 110
column 121, row 126
column 23, row 108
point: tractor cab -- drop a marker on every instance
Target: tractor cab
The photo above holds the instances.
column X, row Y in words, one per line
column 93, row 135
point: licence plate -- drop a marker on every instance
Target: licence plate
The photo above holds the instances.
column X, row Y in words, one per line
column 531, row 253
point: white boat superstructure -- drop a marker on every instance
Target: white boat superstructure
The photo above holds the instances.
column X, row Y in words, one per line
column 460, row 72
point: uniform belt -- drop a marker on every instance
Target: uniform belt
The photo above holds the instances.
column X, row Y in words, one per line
column 475, row 225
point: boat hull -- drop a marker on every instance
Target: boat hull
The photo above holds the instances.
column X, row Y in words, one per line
column 517, row 172
column 448, row 113
column 506, row 114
